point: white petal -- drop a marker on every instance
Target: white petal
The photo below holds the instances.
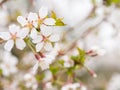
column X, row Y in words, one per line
column 14, row 28
column 9, row 45
column 38, row 39
column 5, row 35
column 44, row 64
column 54, row 38
column 33, row 33
column 35, row 67
column 22, row 20
column 43, row 12
column 49, row 21
column 35, row 24
column 48, row 46
column 23, row 33
column 20, row 44
column 39, row 46
column 45, row 30
column 32, row 16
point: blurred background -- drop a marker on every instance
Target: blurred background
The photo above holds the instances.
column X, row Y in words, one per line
column 93, row 22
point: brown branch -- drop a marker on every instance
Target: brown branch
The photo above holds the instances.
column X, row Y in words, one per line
column 2, row 2
column 1, row 41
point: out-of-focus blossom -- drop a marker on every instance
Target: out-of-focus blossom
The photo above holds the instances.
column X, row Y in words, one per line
column 44, row 39
column 48, row 76
column 67, row 61
column 30, row 81
column 3, row 17
column 114, row 83
column 96, row 51
column 10, row 85
column 14, row 36
column 8, row 64
column 49, row 86
column 73, row 86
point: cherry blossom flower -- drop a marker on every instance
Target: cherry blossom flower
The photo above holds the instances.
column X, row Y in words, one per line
column 8, row 64
column 49, row 86
column 95, row 51
column 67, row 61
column 44, row 39
column 27, row 22
column 44, row 62
column 41, row 19
column 73, row 86
column 35, row 19
column 14, row 36
column 30, row 81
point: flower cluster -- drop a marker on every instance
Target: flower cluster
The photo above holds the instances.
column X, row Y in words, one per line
column 36, row 31
column 52, row 55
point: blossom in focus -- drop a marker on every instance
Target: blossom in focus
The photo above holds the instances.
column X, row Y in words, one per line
column 35, row 20
column 8, row 64
column 44, row 39
column 14, row 36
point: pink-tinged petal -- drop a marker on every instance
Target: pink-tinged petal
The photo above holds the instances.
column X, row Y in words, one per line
column 22, row 20
column 38, row 39
column 5, row 35
column 39, row 46
column 20, row 44
column 54, row 38
column 9, row 45
column 45, row 30
column 48, row 46
column 32, row 16
column 44, row 64
column 49, row 21
column 23, row 33
column 14, row 28
column 43, row 12
column 33, row 33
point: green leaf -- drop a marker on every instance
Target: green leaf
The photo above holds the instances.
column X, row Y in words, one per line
column 39, row 77
column 59, row 22
column 53, row 15
column 61, row 62
column 0, row 71
column 109, row 2
column 81, row 55
column 54, row 69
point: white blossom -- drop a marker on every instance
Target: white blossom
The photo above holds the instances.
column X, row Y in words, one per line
column 67, row 61
column 43, row 12
column 14, row 36
column 35, row 20
column 44, row 39
column 73, row 86
column 8, row 64
column 30, row 81
column 114, row 83
column 44, row 62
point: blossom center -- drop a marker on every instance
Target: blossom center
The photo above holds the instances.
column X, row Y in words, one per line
column 14, row 36
column 45, row 39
